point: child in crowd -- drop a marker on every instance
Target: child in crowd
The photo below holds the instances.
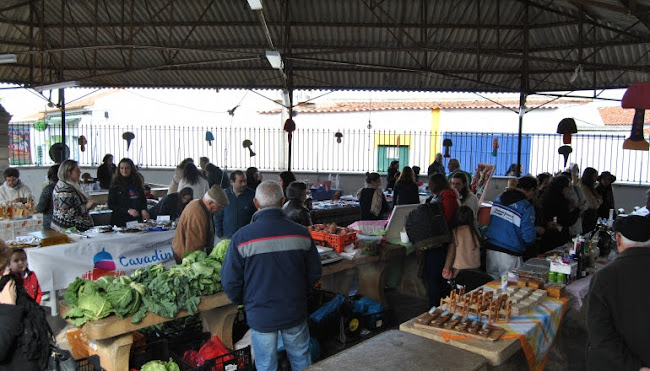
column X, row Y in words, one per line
column 465, row 251
column 18, row 266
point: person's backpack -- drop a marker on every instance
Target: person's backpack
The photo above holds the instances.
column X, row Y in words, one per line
column 36, row 337
column 427, row 227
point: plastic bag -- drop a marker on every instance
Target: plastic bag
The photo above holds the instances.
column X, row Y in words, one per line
column 193, row 358
column 367, row 306
column 331, row 307
column 213, row 349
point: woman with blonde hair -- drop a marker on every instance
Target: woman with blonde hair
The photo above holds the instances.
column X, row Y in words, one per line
column 70, row 203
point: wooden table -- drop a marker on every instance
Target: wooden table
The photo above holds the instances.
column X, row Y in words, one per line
column 370, row 270
column 343, row 214
column 112, row 335
column 496, row 352
column 101, row 196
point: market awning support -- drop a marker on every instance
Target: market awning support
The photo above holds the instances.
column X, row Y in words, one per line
column 524, row 89
column 62, row 108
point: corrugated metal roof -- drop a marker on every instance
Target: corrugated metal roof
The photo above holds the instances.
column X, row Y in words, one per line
column 446, row 45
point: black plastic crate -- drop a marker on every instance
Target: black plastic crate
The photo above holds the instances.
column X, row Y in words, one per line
column 89, row 364
column 327, row 327
column 179, row 327
column 157, row 350
column 378, row 321
column 317, row 298
column 237, row 360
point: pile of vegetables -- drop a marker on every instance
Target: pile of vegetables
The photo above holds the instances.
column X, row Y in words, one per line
column 153, row 289
column 160, row 366
column 330, row 228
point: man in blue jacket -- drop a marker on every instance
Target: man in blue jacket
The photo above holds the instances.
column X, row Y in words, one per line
column 512, row 228
column 241, row 208
column 269, row 267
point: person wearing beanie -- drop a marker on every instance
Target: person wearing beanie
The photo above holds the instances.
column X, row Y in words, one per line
column 618, row 301
column 195, row 230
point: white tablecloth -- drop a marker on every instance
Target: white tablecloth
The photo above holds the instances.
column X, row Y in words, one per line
column 116, row 253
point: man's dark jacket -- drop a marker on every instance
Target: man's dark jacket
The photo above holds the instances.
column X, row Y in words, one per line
column 618, row 313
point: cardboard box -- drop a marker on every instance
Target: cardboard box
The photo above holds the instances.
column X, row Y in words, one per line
column 570, row 268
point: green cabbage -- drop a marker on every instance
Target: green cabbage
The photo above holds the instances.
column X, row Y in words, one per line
column 152, row 289
column 220, row 249
column 160, row 366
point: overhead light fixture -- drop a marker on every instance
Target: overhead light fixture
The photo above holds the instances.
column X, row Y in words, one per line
column 255, row 4
column 275, row 59
column 8, row 58
column 58, row 85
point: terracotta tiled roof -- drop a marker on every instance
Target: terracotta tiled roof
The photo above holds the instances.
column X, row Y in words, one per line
column 616, row 116
column 86, row 101
column 424, row 105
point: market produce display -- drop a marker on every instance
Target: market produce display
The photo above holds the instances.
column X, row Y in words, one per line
column 160, row 366
column 154, row 289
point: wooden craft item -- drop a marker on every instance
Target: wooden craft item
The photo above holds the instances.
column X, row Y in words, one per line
column 485, row 329
column 427, row 317
column 474, row 326
column 462, row 325
column 455, row 319
column 441, row 319
column 472, row 329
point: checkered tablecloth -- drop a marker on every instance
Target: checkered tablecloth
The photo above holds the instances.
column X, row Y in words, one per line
column 536, row 330
column 9, row 229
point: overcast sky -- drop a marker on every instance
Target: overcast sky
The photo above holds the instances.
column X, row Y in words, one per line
column 21, row 102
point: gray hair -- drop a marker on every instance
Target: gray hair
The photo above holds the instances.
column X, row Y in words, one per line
column 647, row 195
column 269, row 194
column 454, row 162
column 66, row 167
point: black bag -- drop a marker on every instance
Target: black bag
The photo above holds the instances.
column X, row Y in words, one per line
column 427, row 227
column 61, row 360
column 36, row 336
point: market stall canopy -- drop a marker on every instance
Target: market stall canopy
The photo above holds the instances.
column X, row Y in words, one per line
column 460, row 45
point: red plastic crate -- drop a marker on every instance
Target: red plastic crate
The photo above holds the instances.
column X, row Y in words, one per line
column 338, row 242
column 335, row 241
column 319, row 237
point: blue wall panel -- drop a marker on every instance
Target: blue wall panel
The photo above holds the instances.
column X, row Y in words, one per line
column 472, row 149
